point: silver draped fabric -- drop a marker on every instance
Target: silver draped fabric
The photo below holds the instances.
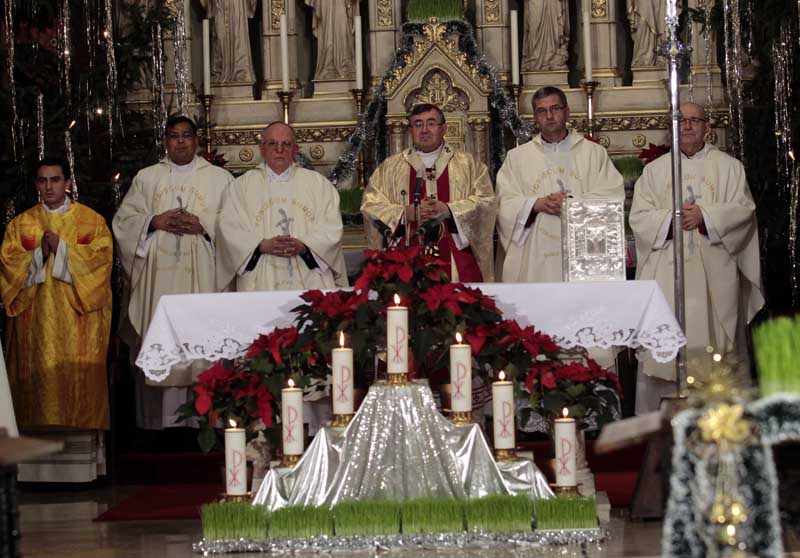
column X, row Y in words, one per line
column 398, row 447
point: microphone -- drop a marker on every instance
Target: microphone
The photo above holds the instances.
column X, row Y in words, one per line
column 430, row 226
column 382, row 227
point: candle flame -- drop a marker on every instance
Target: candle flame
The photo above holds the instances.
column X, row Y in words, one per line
column 396, row 299
column 341, row 339
column 232, row 423
column 501, row 376
column 72, row 125
column 565, row 412
column 458, row 338
column 116, row 176
column 291, row 383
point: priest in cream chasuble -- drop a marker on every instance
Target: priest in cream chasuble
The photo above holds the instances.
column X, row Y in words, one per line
column 722, row 274
column 534, row 180
column 456, row 200
column 280, row 227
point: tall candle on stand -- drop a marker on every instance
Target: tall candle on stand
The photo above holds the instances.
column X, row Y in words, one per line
column 503, row 411
column 397, row 338
column 460, row 376
column 284, row 53
column 235, row 462
column 587, row 39
column 342, row 361
column 292, row 419
column 566, row 442
column 514, row 47
column 206, row 57
column 359, row 53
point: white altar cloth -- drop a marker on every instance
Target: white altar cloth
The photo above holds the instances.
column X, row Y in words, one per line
column 591, row 314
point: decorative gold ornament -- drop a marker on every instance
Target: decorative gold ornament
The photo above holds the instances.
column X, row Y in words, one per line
column 437, row 89
column 461, row 417
column 639, row 140
column 505, row 455
column 341, row 421
column 245, row 154
column 172, row 7
column 599, row 8
column 304, row 135
column 434, row 30
column 290, row 460
column 725, row 425
column 715, row 378
column 478, row 124
column 605, row 141
column 491, row 11
column 398, row 379
column 278, row 8
column 385, row 14
column 317, row 152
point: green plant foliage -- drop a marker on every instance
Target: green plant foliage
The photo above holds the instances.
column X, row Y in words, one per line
column 777, row 348
column 233, row 520
column 366, row 518
column 629, row 167
column 504, row 514
column 446, row 10
column 433, row 515
column 300, row 521
column 566, row 512
column 350, row 200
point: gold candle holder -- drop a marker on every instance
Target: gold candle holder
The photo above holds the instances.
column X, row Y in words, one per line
column 358, row 97
column 290, row 460
column 564, row 489
column 589, row 88
column 505, row 455
column 398, row 379
column 342, row 421
column 225, row 497
column 286, row 98
column 516, row 91
column 461, row 417
column 207, row 100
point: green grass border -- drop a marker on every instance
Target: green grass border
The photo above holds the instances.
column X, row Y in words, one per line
column 566, row 512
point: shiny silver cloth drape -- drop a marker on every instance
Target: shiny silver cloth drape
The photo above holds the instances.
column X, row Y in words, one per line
column 398, row 447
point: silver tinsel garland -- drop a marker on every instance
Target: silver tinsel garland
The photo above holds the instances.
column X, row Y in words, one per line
column 782, row 57
column 71, row 161
column 111, row 75
column 9, row 22
column 707, row 48
column 181, row 60
column 40, row 124
column 158, row 86
column 65, row 60
column 733, row 72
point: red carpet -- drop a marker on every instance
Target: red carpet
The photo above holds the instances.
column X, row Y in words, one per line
column 172, row 501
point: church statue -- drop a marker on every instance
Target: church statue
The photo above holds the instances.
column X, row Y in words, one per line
column 546, row 36
column 231, row 61
column 647, row 28
column 332, row 24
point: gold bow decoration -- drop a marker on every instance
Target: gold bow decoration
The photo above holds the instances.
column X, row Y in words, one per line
column 725, row 425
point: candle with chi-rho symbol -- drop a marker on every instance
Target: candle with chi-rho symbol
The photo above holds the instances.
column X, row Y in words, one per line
column 503, row 413
column 397, row 338
column 460, row 376
column 292, row 420
column 284, row 34
column 235, row 462
column 565, row 440
column 206, row 57
column 342, row 365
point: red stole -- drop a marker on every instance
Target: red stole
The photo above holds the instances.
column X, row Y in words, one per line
column 466, row 264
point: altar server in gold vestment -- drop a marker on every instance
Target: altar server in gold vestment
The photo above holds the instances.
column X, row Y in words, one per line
column 533, row 181
column 165, row 231
column 280, row 227
column 722, row 273
column 456, row 199
column 55, row 265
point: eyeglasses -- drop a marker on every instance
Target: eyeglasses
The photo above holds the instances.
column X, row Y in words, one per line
column 186, row 135
column 555, row 109
column 419, row 124
column 272, row 144
column 694, row 121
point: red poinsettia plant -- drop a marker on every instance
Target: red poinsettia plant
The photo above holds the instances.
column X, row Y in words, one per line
column 653, row 152
column 216, row 159
column 247, row 391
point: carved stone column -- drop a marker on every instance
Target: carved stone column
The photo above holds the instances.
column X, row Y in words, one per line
column 271, row 43
column 385, row 20
column 479, row 128
column 492, row 33
column 606, row 46
column 397, row 136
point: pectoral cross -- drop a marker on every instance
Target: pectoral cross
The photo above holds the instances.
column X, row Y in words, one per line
column 284, row 226
column 692, row 199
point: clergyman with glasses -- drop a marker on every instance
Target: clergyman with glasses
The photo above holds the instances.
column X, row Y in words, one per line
column 437, row 196
column 280, row 227
column 533, row 181
column 722, row 273
column 164, row 230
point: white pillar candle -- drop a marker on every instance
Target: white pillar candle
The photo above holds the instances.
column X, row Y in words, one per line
column 397, row 338
column 587, row 39
column 460, row 376
column 284, row 53
column 206, row 57
column 566, row 443
column 514, row 47
column 292, row 419
column 359, row 53
column 235, row 462
column 342, row 364
column 503, row 411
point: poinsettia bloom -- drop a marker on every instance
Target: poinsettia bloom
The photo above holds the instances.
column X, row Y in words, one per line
column 549, row 380
column 202, row 403
column 215, row 375
column 264, row 404
column 313, row 297
column 476, row 336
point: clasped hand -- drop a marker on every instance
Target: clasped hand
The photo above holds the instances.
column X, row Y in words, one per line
column 429, row 208
column 550, row 204
column 49, row 244
column 283, row 245
column 177, row 221
column 692, row 216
